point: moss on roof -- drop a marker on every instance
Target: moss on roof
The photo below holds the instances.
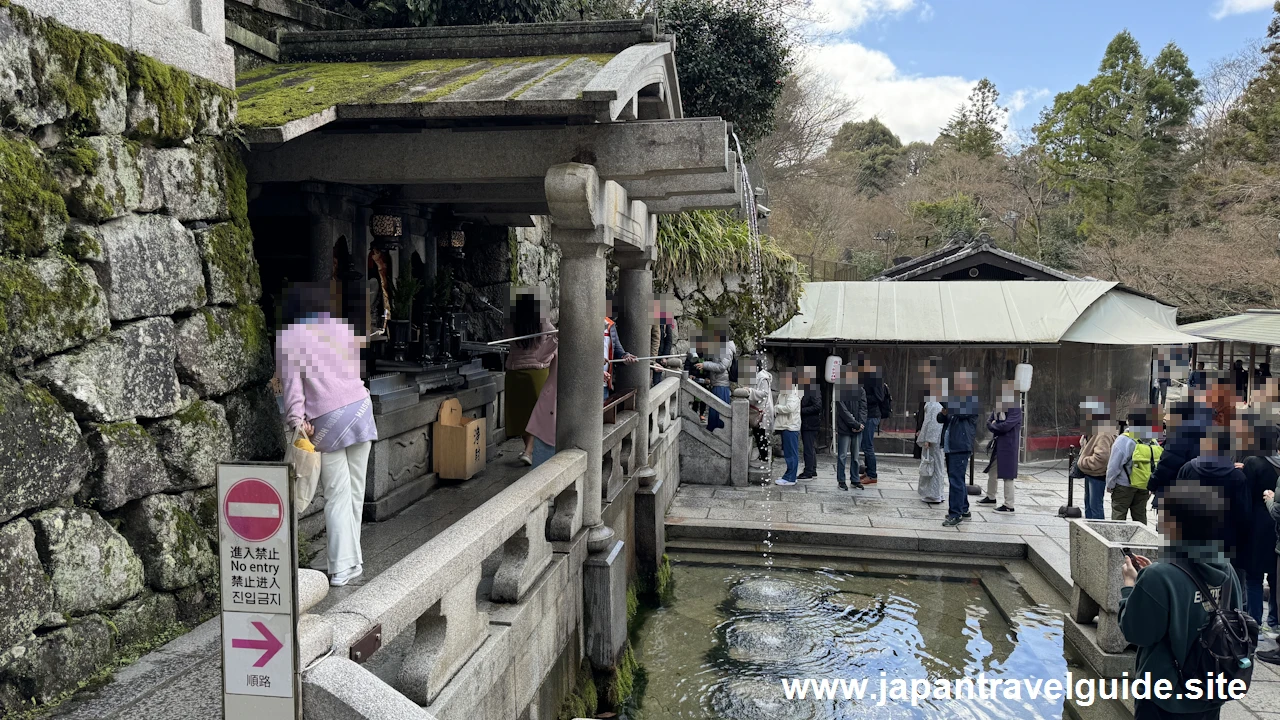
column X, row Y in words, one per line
column 273, row 95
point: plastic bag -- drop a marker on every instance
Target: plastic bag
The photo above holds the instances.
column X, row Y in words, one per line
column 306, row 469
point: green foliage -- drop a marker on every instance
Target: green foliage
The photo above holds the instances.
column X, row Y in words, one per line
column 870, row 151
column 977, row 125
column 27, row 302
column 702, row 243
column 402, row 295
column 29, row 197
column 401, row 13
column 275, row 94
column 1256, row 116
column 957, row 215
column 583, row 700
column 75, row 71
column 1113, row 141
column 624, row 685
column 732, row 59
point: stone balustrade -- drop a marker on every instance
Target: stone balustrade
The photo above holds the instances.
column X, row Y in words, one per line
column 663, row 411
column 434, row 589
column 714, row 457
column 619, row 454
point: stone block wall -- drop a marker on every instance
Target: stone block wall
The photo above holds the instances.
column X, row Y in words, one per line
column 133, row 354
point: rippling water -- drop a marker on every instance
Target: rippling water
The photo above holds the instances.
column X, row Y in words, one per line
column 720, row 649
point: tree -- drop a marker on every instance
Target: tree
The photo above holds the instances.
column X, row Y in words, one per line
column 1113, row 142
column 808, row 112
column 956, row 216
column 1256, row 118
column 977, row 125
column 869, row 153
column 732, row 60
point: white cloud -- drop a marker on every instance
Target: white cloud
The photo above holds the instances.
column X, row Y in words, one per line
column 1238, row 7
column 1023, row 97
column 914, row 107
column 926, row 13
column 843, row 15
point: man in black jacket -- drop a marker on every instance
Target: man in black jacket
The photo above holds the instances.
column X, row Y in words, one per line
column 810, row 420
column 879, row 406
column 851, row 418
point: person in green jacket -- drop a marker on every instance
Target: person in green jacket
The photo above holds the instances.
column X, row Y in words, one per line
column 1161, row 610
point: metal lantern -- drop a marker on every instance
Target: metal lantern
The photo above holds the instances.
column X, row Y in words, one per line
column 387, row 230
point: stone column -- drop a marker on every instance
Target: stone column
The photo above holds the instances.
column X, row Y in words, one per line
column 635, row 295
column 580, row 384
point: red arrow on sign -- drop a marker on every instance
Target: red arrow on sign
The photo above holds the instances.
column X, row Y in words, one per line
column 271, row 645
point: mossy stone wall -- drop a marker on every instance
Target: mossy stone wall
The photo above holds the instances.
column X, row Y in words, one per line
column 123, row 221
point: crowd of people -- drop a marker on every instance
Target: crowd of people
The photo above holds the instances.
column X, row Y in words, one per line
column 1223, row 438
column 1208, row 464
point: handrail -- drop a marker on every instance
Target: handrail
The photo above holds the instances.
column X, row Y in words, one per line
column 706, row 396
column 434, row 587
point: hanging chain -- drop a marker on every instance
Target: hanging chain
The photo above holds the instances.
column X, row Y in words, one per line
column 756, row 279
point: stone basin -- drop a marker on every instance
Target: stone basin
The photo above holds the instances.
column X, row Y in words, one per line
column 1096, row 555
column 1096, row 559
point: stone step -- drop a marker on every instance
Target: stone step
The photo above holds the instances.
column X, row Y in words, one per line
column 939, row 541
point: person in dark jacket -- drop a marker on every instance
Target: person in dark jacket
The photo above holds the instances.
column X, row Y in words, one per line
column 1185, row 425
column 1260, row 471
column 1160, row 608
column 1005, row 424
column 1197, row 379
column 851, row 418
column 1241, row 378
column 1216, row 468
column 959, row 418
column 810, row 421
column 879, row 407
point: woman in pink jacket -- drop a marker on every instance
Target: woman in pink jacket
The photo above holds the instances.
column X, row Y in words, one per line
column 528, row 364
column 318, row 358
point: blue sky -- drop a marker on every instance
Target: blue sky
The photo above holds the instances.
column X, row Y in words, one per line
column 912, row 62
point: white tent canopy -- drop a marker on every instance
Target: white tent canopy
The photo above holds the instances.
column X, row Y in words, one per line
column 1016, row 312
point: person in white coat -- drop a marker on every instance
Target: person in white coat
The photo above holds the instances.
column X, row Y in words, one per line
column 761, row 398
column 786, row 419
column 933, row 465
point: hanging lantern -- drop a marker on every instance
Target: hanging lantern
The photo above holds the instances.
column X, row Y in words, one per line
column 387, row 230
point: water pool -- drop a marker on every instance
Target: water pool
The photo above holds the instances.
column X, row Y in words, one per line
column 720, row 648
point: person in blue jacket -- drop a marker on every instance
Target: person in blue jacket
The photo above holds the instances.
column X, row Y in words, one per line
column 959, row 418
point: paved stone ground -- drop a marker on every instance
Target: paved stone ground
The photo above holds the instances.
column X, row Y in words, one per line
column 183, row 679
column 892, row 504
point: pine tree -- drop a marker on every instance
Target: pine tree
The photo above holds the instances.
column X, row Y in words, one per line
column 977, row 125
column 1113, row 141
column 1256, row 117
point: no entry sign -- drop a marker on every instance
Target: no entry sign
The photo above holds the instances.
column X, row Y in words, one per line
column 257, row 561
column 253, row 509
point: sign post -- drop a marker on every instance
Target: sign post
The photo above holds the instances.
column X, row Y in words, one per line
column 257, row 557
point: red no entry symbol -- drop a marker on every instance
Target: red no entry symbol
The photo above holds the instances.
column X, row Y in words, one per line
column 253, row 510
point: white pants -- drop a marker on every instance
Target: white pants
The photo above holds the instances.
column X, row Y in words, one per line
column 993, row 484
column 342, row 475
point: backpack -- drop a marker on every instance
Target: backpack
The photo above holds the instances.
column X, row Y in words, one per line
column 886, row 408
column 1226, row 643
column 733, row 369
column 1146, row 453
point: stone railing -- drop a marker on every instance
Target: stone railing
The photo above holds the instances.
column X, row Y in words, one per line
column 433, row 590
column 663, row 410
column 727, row 450
column 619, row 454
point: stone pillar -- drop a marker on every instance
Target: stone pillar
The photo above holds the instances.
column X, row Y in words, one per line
column 635, row 295
column 580, row 384
column 320, row 249
column 574, row 193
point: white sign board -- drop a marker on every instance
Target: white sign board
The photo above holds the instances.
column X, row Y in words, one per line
column 257, row 557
